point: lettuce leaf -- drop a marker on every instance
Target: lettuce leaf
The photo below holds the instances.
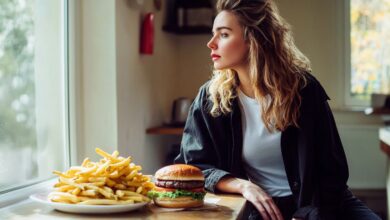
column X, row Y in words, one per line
column 178, row 193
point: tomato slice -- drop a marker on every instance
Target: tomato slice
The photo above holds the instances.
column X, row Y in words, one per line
column 161, row 189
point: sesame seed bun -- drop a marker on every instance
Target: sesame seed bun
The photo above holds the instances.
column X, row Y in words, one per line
column 181, row 172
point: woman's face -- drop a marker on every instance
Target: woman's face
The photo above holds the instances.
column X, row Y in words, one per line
column 228, row 47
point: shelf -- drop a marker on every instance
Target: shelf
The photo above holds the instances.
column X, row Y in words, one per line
column 194, row 4
column 165, row 130
column 187, row 30
column 377, row 111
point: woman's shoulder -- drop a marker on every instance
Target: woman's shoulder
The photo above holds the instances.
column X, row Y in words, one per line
column 203, row 92
column 201, row 99
column 313, row 88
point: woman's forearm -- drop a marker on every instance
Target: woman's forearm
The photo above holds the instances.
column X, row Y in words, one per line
column 231, row 185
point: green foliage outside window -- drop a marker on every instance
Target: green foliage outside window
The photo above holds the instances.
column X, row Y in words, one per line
column 370, row 47
column 17, row 99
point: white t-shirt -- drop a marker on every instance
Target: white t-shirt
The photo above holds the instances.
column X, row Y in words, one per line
column 261, row 154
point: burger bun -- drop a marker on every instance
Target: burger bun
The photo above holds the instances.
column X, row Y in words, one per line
column 181, row 202
column 181, row 172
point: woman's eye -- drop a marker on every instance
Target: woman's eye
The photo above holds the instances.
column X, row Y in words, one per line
column 224, row 35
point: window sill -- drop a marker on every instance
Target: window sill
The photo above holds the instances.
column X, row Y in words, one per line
column 18, row 195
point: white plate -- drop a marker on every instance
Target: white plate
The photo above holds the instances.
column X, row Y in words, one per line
column 91, row 209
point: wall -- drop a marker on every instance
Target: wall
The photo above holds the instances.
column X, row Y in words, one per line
column 119, row 93
column 145, row 85
column 195, row 65
column 97, row 78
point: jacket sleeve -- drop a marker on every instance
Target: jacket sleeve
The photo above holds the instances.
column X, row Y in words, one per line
column 197, row 146
column 331, row 163
column 333, row 167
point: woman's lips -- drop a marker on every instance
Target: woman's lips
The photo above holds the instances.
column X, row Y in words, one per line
column 215, row 57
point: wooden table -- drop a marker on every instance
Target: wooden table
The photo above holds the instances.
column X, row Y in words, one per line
column 228, row 207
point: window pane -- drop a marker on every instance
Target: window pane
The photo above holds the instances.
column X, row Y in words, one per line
column 32, row 91
column 370, row 47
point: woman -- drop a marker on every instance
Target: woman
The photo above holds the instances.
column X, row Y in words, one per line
column 262, row 127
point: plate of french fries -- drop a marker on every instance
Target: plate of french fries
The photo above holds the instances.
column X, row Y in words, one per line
column 113, row 184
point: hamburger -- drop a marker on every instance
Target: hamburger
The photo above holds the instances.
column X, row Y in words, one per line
column 178, row 186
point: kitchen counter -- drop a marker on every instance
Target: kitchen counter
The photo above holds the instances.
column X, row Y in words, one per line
column 226, row 206
column 384, row 137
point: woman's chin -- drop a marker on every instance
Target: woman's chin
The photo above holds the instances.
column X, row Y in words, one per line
column 219, row 67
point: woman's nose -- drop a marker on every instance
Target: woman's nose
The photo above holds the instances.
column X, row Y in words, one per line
column 211, row 44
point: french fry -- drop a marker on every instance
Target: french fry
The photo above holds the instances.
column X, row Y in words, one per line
column 110, row 182
column 139, row 189
column 131, row 175
column 120, row 186
column 85, row 162
column 66, row 196
column 130, row 193
column 89, row 192
column 102, row 168
column 58, row 173
column 105, row 202
column 123, row 163
column 71, row 182
column 97, row 179
column 76, row 191
column 105, row 155
column 133, row 183
column 120, row 193
column 88, row 170
column 115, row 154
column 81, row 180
column 65, row 188
column 103, row 192
column 59, row 184
column 117, row 174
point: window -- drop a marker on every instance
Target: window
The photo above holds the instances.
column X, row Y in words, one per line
column 33, row 91
column 369, row 41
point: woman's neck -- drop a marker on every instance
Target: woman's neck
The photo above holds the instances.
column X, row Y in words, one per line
column 245, row 83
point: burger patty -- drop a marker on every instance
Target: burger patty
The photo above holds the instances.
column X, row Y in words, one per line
column 179, row 184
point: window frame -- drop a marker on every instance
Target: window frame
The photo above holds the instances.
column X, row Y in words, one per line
column 349, row 100
column 19, row 192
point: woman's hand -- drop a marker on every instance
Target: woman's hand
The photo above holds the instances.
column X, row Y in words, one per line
column 261, row 200
column 254, row 194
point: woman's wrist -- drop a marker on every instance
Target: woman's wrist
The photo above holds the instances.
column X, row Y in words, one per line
column 232, row 185
column 243, row 184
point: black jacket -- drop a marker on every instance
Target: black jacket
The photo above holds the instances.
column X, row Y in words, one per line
column 313, row 154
